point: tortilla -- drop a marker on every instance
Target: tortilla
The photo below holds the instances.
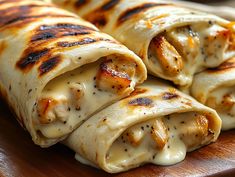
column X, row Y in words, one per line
column 156, row 124
column 174, row 42
column 57, row 69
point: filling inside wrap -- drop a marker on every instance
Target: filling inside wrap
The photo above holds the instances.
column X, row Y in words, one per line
column 155, row 124
column 215, row 88
column 69, row 99
column 174, row 42
column 222, row 100
column 162, row 140
column 183, row 51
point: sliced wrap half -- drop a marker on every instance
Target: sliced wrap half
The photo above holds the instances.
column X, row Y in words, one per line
column 216, row 89
column 156, row 124
column 57, row 70
column 174, row 42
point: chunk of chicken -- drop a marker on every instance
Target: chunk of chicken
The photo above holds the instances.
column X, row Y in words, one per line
column 113, row 77
column 196, row 131
column 159, row 134
column 77, row 92
column 225, row 104
column 167, row 55
column 134, row 135
column 51, row 109
column 216, row 41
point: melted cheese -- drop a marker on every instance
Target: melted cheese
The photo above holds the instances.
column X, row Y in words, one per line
column 217, row 100
column 92, row 99
column 201, row 45
column 179, row 126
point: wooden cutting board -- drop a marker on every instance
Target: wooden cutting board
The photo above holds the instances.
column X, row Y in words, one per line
column 19, row 157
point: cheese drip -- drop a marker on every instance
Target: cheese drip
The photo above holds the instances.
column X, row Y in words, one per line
column 223, row 101
column 162, row 141
column 183, row 51
column 70, row 98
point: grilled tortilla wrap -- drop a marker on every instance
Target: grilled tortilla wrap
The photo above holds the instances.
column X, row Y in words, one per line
column 174, row 42
column 56, row 69
column 216, row 89
column 156, row 124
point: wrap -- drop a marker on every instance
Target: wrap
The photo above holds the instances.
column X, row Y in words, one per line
column 156, row 124
column 216, row 89
column 174, row 42
column 57, row 69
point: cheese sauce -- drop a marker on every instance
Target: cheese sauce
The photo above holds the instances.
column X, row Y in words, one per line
column 69, row 99
column 223, row 101
column 200, row 46
column 184, row 132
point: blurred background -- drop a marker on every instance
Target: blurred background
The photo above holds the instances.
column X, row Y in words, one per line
column 217, row 2
column 223, row 8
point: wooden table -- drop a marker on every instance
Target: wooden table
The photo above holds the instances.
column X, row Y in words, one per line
column 19, row 157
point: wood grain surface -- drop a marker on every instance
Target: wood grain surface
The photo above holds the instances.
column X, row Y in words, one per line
column 19, row 157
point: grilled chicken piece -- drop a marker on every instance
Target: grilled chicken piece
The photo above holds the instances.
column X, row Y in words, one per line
column 77, row 92
column 50, row 110
column 134, row 135
column 197, row 132
column 167, row 55
column 66, row 93
column 113, row 77
column 155, row 128
column 216, row 41
column 225, row 104
column 159, row 133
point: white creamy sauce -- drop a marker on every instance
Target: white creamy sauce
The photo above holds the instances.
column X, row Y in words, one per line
column 92, row 99
column 200, row 45
column 83, row 160
column 178, row 127
column 227, row 114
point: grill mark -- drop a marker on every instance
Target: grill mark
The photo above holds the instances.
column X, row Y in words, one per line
column 169, row 96
column 99, row 16
column 141, row 102
column 59, row 30
column 129, row 13
column 72, row 44
column 75, row 33
column 104, row 68
column 49, row 65
column 12, row 13
column 30, row 59
column 65, row 26
column 83, row 42
column 109, row 5
column 43, row 36
column 98, row 21
column 80, row 3
column 52, row 35
column 229, row 64
column 33, row 55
